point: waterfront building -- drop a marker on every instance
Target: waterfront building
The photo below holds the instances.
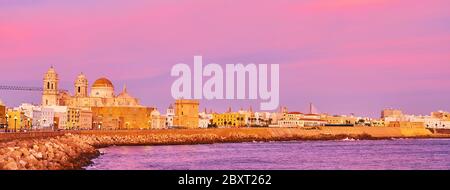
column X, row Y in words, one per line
column 85, row 119
column 442, row 115
column 60, row 120
column 45, row 118
column 102, row 93
column 121, row 118
column 392, row 113
column 204, row 119
column 256, row 119
column 275, row 117
column 17, row 120
column 291, row 119
column 36, row 119
column 158, row 121
column 2, row 115
column 98, row 109
column 434, row 122
column 186, row 114
column 170, row 114
column 229, row 119
column 32, row 112
column 79, row 118
column 312, row 120
column 406, row 124
column 334, row 120
column 377, row 123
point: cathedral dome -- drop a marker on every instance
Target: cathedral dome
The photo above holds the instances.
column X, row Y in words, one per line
column 103, row 82
column 155, row 112
column 124, row 94
column 102, row 88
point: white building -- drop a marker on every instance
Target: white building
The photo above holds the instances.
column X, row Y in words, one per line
column 204, row 120
column 60, row 114
column 436, row 123
column 158, row 121
column 170, row 114
column 291, row 119
column 45, row 118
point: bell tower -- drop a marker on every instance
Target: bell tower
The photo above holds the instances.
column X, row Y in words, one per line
column 50, row 87
column 81, row 86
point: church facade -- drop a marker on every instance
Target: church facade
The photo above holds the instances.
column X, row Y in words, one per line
column 101, row 95
column 108, row 110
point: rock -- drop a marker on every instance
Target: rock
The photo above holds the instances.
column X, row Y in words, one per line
column 22, row 163
column 38, row 155
column 16, row 154
column 11, row 166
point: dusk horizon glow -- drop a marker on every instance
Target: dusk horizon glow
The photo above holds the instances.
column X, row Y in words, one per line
column 347, row 56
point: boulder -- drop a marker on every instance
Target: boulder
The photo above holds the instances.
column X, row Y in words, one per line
column 12, row 165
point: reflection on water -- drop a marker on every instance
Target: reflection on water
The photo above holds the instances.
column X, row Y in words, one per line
column 364, row 154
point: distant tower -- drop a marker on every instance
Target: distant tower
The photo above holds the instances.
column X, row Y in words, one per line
column 170, row 114
column 50, row 94
column 186, row 113
column 81, row 86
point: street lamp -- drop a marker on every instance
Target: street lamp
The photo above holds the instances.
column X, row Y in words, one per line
column 15, row 123
column 29, row 124
column 7, row 120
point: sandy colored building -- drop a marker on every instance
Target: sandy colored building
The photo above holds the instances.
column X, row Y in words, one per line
column 79, row 119
column 339, row 119
column 121, row 118
column 100, row 108
column 393, row 113
column 2, row 114
column 406, row 124
column 186, row 114
column 291, row 119
column 442, row 115
column 102, row 93
column 312, row 120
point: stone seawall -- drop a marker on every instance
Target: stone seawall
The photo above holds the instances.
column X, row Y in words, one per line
column 75, row 149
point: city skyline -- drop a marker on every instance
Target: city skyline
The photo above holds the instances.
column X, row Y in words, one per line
column 346, row 57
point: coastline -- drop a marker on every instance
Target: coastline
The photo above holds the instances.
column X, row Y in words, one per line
column 74, row 150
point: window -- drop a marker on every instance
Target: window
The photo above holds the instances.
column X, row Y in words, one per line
column 79, row 89
column 48, row 85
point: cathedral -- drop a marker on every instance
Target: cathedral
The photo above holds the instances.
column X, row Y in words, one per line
column 102, row 93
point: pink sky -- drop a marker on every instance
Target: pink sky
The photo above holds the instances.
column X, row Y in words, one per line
column 345, row 56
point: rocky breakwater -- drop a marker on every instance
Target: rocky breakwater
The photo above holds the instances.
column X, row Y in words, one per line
column 56, row 153
column 75, row 151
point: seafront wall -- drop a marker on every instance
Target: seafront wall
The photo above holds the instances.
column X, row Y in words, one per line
column 75, row 149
